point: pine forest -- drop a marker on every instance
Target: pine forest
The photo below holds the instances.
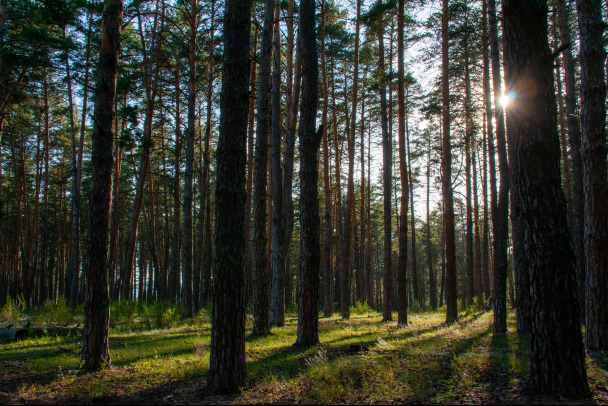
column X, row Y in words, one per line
column 303, row 201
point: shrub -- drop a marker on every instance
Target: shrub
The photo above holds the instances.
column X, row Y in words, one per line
column 122, row 315
column 11, row 312
column 58, row 314
column 360, row 307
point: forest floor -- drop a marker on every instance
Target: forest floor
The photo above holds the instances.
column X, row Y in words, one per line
column 361, row 360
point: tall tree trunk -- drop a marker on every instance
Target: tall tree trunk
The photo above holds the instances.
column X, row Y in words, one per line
column 174, row 275
column 203, row 290
column 387, row 182
column 500, row 220
column 77, row 169
column 310, row 250
column 593, row 154
column 227, row 359
column 187, row 258
column 468, row 140
column 95, row 350
column 349, row 222
column 339, row 224
column 429, row 247
column 277, row 305
column 327, row 268
column 360, row 277
column 150, row 65
column 489, row 155
column 44, row 238
column 291, row 109
column 574, row 138
column 557, row 358
column 402, row 271
column 262, row 276
column 250, row 143
column 451, row 288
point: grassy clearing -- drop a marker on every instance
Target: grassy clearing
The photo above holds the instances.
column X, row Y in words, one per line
column 359, row 361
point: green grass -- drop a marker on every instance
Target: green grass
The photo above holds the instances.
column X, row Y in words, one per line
column 362, row 360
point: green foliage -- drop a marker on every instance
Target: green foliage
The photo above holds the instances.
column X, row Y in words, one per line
column 12, row 311
column 360, row 308
column 128, row 316
column 122, row 315
column 53, row 314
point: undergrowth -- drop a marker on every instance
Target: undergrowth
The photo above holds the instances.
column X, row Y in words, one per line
column 361, row 360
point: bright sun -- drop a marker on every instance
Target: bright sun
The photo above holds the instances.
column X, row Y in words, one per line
column 507, row 98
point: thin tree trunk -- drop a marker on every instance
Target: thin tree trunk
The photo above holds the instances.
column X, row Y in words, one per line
column 76, row 174
column 468, row 140
column 489, row 156
column 401, row 129
column 277, row 305
column 262, row 276
column 387, row 169
column 173, row 282
column 327, row 268
column 187, row 258
column 574, row 138
column 349, row 222
column 451, row 288
column 500, row 220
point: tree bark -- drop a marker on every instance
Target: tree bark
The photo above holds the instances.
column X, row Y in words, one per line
column 310, row 250
column 402, row 271
column 187, row 258
column 262, row 275
column 574, row 138
column 593, row 154
column 451, row 288
column 227, row 360
column 349, row 221
column 500, row 221
column 557, row 356
column 95, row 349
column 327, row 268
column 277, row 305
column 387, row 183
column 489, row 156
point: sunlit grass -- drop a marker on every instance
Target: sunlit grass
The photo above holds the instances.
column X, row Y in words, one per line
column 362, row 360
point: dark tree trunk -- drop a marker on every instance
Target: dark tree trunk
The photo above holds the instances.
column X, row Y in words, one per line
column 500, row 218
column 451, row 288
column 429, row 246
column 95, row 349
column 557, row 356
column 574, row 138
column 327, row 268
column 349, row 221
column 173, row 282
column 77, row 172
column 489, row 156
column 262, row 276
column 187, row 258
column 250, row 143
column 310, row 250
column 469, row 150
column 227, row 359
column 402, row 271
column 387, row 184
column 277, row 305
column 593, row 117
